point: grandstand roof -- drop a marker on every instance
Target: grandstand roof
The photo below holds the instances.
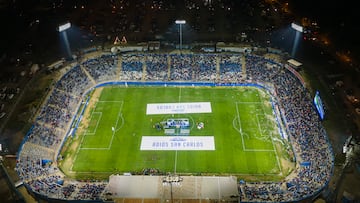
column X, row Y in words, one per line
column 294, row 63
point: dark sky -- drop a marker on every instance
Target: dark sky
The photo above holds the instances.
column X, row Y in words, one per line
column 341, row 19
column 338, row 18
column 327, row 11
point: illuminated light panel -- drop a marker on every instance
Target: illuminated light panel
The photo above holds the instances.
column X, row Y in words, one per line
column 297, row 27
column 64, row 27
column 180, row 21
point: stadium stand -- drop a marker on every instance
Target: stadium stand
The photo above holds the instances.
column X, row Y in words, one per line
column 36, row 161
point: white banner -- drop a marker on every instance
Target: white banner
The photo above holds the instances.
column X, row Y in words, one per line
column 178, row 108
column 177, row 143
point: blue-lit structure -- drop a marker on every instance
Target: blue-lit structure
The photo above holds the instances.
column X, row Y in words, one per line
column 319, row 105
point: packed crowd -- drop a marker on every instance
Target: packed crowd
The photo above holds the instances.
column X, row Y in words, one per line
column 183, row 67
column 230, row 68
column 307, row 136
column 102, row 68
column 132, row 67
column 204, row 67
column 74, row 82
column 156, row 67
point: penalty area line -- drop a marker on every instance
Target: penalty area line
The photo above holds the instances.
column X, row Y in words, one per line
column 84, row 134
column 92, row 148
column 259, row 128
column 272, row 142
column 259, row 150
column 116, row 124
column 239, row 123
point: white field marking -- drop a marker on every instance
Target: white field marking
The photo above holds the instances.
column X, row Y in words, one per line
column 85, row 172
column 272, row 142
column 116, row 127
column 81, row 142
column 112, row 135
column 259, row 128
column 193, row 125
column 276, row 154
column 256, row 174
column 249, row 102
column 122, row 123
column 234, row 125
column 82, row 139
column 176, row 150
column 77, row 152
column 258, row 124
column 239, row 123
column 92, row 112
column 97, row 123
column 104, row 101
column 90, row 148
column 259, row 150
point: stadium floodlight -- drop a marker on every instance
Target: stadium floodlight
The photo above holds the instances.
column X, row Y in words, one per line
column 180, row 23
column 299, row 29
column 62, row 29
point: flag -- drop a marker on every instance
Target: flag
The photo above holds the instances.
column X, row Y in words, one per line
column 112, row 128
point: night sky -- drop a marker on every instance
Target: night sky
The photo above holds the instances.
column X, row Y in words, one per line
column 340, row 19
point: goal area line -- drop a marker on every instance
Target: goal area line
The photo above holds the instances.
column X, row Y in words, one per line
column 273, row 150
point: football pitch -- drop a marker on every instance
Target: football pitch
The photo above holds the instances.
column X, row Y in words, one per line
column 241, row 122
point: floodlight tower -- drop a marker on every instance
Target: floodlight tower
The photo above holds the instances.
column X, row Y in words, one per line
column 299, row 29
column 62, row 29
column 180, row 23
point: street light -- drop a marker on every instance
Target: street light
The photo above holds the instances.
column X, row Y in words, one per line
column 62, row 29
column 180, row 23
column 299, row 29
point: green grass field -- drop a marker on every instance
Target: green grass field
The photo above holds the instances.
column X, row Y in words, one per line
column 242, row 123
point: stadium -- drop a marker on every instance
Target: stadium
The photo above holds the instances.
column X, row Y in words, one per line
column 235, row 126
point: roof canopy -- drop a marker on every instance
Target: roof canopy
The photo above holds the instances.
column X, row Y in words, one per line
column 294, row 62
